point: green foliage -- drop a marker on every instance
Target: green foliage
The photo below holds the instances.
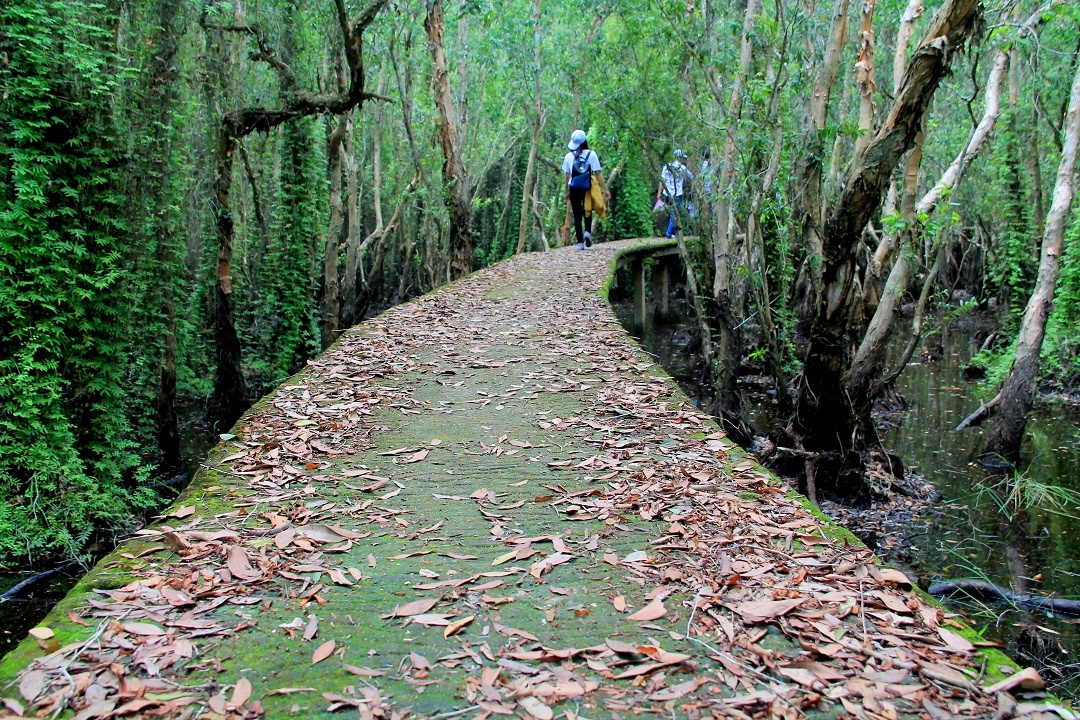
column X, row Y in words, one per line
column 631, row 203
column 67, row 466
column 1014, row 267
column 284, row 314
column 1061, row 348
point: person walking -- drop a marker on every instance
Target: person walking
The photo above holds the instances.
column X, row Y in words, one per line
column 673, row 185
column 580, row 165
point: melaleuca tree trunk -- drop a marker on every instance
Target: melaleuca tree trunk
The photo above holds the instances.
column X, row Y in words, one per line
column 455, row 181
column 230, row 398
column 1006, row 432
column 827, row 420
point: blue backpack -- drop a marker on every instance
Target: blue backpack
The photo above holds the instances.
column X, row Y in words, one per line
column 580, row 177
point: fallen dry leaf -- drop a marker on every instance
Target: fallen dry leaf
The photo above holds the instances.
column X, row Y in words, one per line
column 323, row 651
column 955, row 642
column 762, row 610
column 457, row 625
column 241, row 693
column 240, row 566
column 416, row 607
column 652, row 611
column 536, row 708
column 1026, row 679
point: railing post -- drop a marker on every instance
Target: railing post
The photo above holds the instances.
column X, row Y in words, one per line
column 638, row 270
column 659, row 279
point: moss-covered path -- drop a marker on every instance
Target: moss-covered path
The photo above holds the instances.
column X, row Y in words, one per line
column 489, row 501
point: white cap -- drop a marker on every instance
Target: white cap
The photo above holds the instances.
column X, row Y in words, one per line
column 576, row 138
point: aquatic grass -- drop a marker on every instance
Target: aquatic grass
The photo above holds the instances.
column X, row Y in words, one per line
column 1019, row 492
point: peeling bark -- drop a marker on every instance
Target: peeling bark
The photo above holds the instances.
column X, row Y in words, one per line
column 230, row 390
column 1006, row 432
column 825, row 415
column 455, row 181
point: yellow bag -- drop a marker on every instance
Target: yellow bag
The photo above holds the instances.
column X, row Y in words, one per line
column 594, row 201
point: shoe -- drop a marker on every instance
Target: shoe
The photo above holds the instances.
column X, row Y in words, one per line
column 581, row 246
column 588, row 240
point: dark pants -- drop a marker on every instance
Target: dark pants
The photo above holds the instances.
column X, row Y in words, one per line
column 577, row 204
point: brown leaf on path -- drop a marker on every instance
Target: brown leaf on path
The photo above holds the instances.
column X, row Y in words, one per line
column 891, row 601
column 240, row 566
column 182, row 512
column 762, row 610
column 457, row 625
column 284, row 538
column 652, row 611
column 542, row 566
column 76, row 618
column 1026, row 679
column 955, row 642
column 312, row 628
column 41, row 632
column 339, row 577
column 102, row 708
column 14, row 706
column 800, row 675
column 417, row 457
column 323, row 651
column 894, row 576
column 403, row 556
column 362, row 671
column 431, row 619
column 141, row 628
column 639, row 670
column 241, row 693
column 620, row 603
column 622, row 647
column 322, row 533
column 536, row 708
column 176, row 598
column 674, row 692
column 510, row 632
column 416, row 607
column 419, row 662
column 31, row 684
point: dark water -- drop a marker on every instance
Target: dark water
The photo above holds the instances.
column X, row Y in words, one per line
column 1015, row 531
column 33, row 604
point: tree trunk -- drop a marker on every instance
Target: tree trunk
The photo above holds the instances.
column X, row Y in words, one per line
column 455, row 182
column 728, row 348
column 826, row 417
column 230, row 390
column 1017, row 395
column 350, row 310
column 864, row 77
column 331, row 286
column 230, row 399
column 807, row 212
column 538, row 120
column 866, row 367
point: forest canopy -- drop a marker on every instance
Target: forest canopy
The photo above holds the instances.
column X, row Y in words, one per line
column 196, row 198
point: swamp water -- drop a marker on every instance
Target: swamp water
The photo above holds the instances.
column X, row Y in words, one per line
column 1020, row 534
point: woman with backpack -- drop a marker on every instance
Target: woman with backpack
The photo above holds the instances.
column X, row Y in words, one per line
column 580, row 164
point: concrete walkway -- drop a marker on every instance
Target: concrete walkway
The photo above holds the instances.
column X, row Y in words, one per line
column 490, row 502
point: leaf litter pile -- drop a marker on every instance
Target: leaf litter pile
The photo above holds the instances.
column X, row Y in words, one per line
column 577, row 541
